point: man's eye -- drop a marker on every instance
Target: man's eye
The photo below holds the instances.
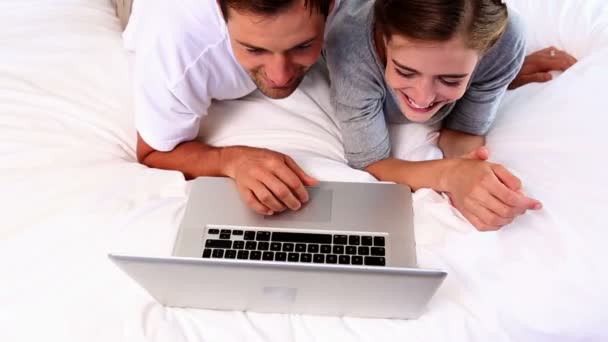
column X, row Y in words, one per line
column 303, row 47
column 254, row 51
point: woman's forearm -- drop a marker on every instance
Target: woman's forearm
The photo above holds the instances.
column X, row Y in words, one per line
column 420, row 174
column 455, row 144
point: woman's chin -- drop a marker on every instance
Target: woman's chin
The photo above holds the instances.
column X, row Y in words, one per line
column 418, row 117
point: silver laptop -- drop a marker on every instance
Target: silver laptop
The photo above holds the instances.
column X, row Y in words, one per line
column 350, row 251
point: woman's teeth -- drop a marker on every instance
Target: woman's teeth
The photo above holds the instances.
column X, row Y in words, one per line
column 417, row 106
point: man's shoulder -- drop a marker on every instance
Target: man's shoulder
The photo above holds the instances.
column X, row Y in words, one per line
column 179, row 34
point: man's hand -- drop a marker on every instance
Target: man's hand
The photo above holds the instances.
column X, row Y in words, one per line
column 487, row 194
column 269, row 182
column 537, row 66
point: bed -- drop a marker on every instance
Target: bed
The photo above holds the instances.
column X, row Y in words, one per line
column 72, row 192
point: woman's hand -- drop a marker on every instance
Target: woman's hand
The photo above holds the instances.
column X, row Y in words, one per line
column 487, row 194
column 538, row 65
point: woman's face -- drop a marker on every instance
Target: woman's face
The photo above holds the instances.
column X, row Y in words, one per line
column 426, row 75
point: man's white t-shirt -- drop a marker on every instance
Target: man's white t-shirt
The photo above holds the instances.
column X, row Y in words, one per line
column 183, row 60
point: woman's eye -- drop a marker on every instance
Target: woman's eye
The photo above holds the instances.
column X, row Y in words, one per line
column 451, row 83
column 403, row 74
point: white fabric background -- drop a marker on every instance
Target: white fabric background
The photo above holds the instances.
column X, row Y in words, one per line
column 72, row 192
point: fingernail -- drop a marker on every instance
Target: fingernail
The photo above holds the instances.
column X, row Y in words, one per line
column 270, row 212
column 538, row 206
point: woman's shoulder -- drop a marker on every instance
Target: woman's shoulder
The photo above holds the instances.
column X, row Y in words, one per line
column 505, row 58
column 348, row 35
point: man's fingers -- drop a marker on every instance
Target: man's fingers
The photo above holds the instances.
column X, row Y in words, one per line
column 252, row 202
column 293, row 182
column 281, row 191
column 306, row 179
column 266, row 197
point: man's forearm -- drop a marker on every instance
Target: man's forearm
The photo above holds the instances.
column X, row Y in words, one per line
column 193, row 159
column 455, row 144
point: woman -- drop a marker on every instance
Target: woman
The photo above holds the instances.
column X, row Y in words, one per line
column 429, row 61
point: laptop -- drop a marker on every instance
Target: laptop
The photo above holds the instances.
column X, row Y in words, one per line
column 349, row 251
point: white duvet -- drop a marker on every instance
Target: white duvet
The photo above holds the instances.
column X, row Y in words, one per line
column 72, row 192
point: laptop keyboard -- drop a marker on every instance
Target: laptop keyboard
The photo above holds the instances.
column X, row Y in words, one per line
column 298, row 247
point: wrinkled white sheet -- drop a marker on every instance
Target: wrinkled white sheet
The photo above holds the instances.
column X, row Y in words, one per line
column 72, row 192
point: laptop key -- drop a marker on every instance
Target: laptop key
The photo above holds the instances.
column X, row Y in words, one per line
column 268, row 256
column 230, row 254
column 354, row 240
column 207, row 253
column 367, row 241
column 243, row 255
column 344, row 259
column 237, row 232
column 263, row 246
column 363, row 251
column 293, row 257
column 351, row 250
column 238, row 245
column 250, row 245
column 338, row 249
column 301, row 237
column 305, row 257
column 378, row 251
column 326, row 249
column 263, row 236
column 225, row 231
column 249, row 235
column 218, row 244
column 213, row 231
column 301, row 248
column 218, row 253
column 375, row 261
column 255, row 255
column 225, row 236
column 280, row 256
column 288, row 247
column 379, row 241
column 318, row 258
column 357, row 260
column 275, row 246
column 340, row 239
column 331, row 259
column 313, row 248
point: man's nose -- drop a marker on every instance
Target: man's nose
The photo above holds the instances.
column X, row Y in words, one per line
column 279, row 72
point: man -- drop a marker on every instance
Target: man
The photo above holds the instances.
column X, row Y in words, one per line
column 203, row 50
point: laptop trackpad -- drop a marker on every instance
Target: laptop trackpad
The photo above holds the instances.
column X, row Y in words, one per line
column 318, row 208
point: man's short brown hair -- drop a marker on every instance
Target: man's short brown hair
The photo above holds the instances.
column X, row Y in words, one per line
column 272, row 7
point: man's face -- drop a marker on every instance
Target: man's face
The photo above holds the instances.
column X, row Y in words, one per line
column 277, row 51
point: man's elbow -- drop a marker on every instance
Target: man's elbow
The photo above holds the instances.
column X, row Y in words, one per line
column 143, row 150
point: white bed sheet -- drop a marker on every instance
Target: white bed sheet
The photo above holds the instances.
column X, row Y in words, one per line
column 72, row 192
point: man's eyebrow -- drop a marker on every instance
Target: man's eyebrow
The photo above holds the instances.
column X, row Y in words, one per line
column 253, row 47
column 401, row 66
